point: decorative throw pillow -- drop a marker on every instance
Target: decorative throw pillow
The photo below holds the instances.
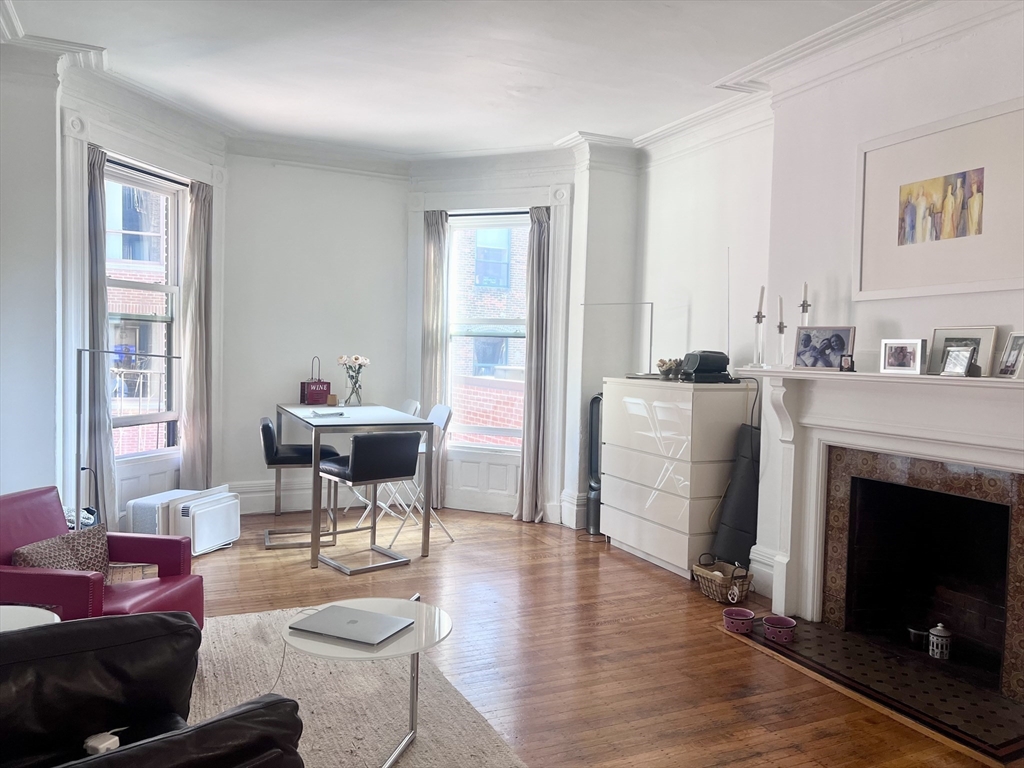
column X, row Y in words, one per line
column 89, row 547
column 84, row 550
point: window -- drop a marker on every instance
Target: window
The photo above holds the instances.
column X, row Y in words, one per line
column 488, row 354
column 144, row 240
column 492, row 257
column 487, row 329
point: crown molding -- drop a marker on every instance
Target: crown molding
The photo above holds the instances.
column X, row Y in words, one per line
column 29, row 66
column 10, row 24
column 531, row 166
column 579, row 138
column 715, row 114
column 937, row 23
column 126, row 118
column 78, row 54
column 308, row 153
column 755, row 78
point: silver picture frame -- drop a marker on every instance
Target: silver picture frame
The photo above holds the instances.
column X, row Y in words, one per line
column 982, row 337
column 957, row 361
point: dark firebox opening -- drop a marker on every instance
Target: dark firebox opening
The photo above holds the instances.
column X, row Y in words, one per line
column 917, row 558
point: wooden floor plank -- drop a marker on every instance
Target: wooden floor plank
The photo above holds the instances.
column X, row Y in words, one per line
column 582, row 655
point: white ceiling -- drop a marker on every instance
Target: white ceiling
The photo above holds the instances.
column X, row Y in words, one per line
column 435, row 77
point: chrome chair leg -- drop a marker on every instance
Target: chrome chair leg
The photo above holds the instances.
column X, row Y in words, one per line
column 277, row 493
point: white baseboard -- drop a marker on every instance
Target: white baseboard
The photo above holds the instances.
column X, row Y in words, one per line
column 574, row 509
column 762, row 568
column 257, row 496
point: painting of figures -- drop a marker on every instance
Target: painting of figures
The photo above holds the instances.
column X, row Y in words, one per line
column 942, row 208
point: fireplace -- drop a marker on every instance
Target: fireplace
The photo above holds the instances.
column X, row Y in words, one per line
column 918, row 558
column 911, row 542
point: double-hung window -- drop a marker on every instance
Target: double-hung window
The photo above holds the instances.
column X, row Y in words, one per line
column 487, row 329
column 145, row 221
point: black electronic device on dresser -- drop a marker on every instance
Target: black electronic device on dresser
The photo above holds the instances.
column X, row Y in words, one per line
column 704, row 366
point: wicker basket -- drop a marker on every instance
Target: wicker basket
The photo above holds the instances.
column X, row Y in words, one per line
column 721, row 581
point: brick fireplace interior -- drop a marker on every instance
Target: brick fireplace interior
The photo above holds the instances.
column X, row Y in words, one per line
column 919, row 557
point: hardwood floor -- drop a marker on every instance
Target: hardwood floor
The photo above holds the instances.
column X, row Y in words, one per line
column 581, row 655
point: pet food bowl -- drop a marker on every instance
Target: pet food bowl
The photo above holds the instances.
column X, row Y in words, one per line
column 739, row 620
column 779, row 629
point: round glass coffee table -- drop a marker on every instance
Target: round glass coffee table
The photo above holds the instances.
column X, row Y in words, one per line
column 431, row 626
column 23, row 616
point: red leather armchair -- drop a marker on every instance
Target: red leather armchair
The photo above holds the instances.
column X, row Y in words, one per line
column 30, row 516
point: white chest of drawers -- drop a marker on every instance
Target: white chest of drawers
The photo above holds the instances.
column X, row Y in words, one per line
column 666, row 453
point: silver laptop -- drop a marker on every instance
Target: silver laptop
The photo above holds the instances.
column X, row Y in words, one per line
column 352, row 624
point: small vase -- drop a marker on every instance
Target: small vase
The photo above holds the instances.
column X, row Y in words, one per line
column 355, row 395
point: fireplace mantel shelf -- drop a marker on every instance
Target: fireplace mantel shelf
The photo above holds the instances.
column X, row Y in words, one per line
column 811, row 374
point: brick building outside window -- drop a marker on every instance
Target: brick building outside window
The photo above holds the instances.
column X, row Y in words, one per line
column 487, row 330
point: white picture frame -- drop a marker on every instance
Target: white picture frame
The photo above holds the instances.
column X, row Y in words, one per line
column 984, row 139
column 1011, row 361
column 983, row 337
column 903, row 356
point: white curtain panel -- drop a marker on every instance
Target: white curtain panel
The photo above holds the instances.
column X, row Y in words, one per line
column 434, row 353
column 197, row 373
column 538, row 328
column 100, row 434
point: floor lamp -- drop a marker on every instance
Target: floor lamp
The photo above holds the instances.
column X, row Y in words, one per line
column 82, row 362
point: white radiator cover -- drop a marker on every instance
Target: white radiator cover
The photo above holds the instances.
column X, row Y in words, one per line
column 211, row 521
column 152, row 514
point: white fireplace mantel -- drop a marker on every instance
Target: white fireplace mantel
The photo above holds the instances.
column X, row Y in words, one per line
column 978, row 422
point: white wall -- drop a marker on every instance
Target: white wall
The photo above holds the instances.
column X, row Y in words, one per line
column 30, row 372
column 315, row 264
column 824, row 109
column 932, row 67
column 704, row 228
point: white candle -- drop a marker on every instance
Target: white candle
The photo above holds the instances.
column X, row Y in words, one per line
column 780, row 309
column 760, row 302
column 805, row 293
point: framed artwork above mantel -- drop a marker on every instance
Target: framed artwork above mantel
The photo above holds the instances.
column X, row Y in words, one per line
column 939, row 207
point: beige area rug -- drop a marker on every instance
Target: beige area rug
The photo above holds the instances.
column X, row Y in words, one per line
column 353, row 713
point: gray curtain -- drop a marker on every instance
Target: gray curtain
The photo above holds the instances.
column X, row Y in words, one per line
column 196, row 366
column 538, row 321
column 434, row 352
column 99, row 436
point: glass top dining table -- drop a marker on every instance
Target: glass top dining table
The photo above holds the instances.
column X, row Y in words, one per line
column 330, row 419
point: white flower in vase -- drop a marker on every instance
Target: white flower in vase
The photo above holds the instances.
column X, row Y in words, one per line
column 353, row 370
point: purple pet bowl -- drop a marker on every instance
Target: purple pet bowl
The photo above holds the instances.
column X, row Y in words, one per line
column 738, row 620
column 779, row 629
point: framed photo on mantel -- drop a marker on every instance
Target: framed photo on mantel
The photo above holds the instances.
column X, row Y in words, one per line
column 982, row 338
column 939, row 208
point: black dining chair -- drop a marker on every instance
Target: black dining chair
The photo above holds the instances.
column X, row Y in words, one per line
column 376, row 459
column 281, row 456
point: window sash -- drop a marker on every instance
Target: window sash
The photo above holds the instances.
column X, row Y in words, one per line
column 175, row 233
column 515, row 328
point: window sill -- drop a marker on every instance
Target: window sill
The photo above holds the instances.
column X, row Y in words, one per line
column 491, row 450
column 139, row 458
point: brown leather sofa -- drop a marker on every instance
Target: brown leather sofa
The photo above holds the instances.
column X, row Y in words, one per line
column 61, row 683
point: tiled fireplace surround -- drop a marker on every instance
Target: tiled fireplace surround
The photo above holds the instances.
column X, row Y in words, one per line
column 964, row 437
column 1006, row 488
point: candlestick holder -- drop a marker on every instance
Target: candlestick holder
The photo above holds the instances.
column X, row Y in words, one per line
column 759, row 356
column 780, row 357
column 805, row 313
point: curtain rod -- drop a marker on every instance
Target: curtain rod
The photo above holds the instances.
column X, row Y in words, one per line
column 144, row 172
column 485, row 213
